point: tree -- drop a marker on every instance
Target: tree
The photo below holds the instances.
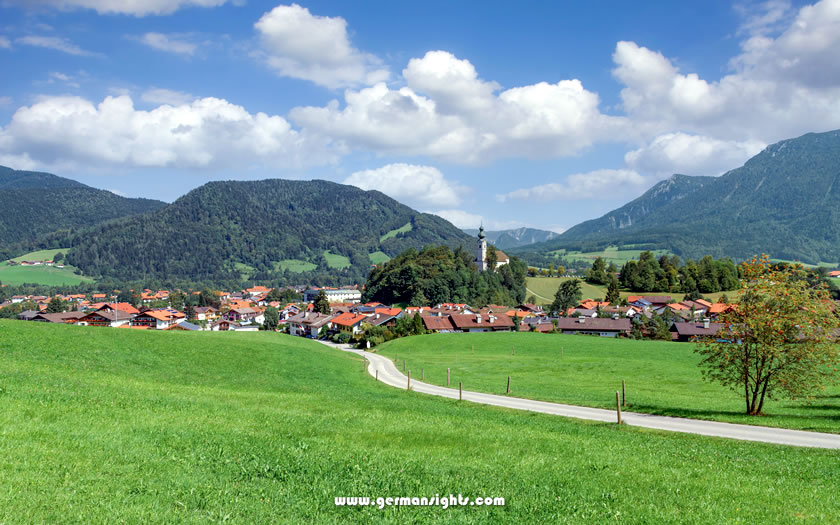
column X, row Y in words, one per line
column 58, row 257
column 322, row 304
column 56, row 305
column 272, row 318
column 177, row 300
column 598, row 273
column 561, row 270
column 532, row 299
column 778, row 341
column 567, row 296
column 613, row 295
column 492, row 258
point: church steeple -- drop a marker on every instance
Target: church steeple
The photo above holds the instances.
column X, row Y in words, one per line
column 481, row 253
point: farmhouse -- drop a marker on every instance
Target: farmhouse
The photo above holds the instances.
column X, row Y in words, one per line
column 480, row 323
column 594, row 326
column 349, row 322
column 684, row 332
column 112, row 318
column 308, row 324
column 158, row 319
column 206, row 313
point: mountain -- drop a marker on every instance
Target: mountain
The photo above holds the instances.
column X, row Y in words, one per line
column 785, row 201
column 269, row 231
column 35, row 204
column 505, row 239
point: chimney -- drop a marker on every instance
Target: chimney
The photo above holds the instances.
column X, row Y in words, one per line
column 705, row 323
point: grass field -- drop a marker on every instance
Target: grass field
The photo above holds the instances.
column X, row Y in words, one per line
column 379, row 257
column 125, row 426
column 335, row 260
column 611, row 254
column 405, row 228
column 662, row 377
column 545, row 287
column 44, row 275
column 294, row 265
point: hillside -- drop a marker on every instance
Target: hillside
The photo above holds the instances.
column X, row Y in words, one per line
column 35, row 204
column 784, row 201
column 505, row 239
column 271, row 230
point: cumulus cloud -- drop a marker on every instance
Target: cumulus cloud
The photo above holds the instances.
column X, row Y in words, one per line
column 422, row 185
column 207, row 133
column 159, row 96
column 691, row 155
column 131, row 7
column 446, row 111
column 467, row 220
column 169, row 43
column 301, row 45
column 55, row 43
column 604, row 183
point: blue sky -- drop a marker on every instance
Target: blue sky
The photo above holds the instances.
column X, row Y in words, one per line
column 539, row 114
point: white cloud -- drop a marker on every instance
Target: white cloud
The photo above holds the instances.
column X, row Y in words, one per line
column 160, row 96
column 446, row 111
column 118, row 192
column 466, row 220
column 56, row 43
column 169, row 43
column 691, row 155
column 125, row 7
column 301, row 45
column 606, row 183
column 209, row 133
column 56, row 76
column 5, row 43
column 423, row 185
column 764, row 18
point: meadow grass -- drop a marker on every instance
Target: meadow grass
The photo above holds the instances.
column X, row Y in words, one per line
column 111, row 425
column 405, row 228
column 610, row 254
column 335, row 260
column 661, row 377
column 40, row 255
column 43, row 275
column 295, row 265
column 379, row 257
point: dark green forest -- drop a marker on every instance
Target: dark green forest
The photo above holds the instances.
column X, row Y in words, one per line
column 437, row 275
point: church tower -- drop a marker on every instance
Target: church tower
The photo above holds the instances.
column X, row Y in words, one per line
column 481, row 255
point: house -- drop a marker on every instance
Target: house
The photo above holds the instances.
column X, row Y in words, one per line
column 60, row 317
column 112, row 318
column 334, row 295
column 382, row 319
column 534, row 309
column 244, row 315
column 718, row 308
column 257, row 290
column 158, row 319
column 122, row 307
column 437, row 324
column 308, row 324
column 185, row 326
column 224, row 325
column 481, row 323
column 18, row 299
column 835, row 273
column 349, row 322
column 684, row 332
column 603, row 327
column 583, row 312
column 28, row 315
column 205, row 313
column 590, row 304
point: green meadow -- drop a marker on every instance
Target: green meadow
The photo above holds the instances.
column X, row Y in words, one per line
column 43, row 275
column 611, row 254
column 335, row 260
column 405, row 228
column 107, row 425
column 544, row 289
column 661, row 377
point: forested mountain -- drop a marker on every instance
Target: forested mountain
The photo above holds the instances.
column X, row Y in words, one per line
column 262, row 231
column 785, row 201
column 504, row 239
column 34, row 204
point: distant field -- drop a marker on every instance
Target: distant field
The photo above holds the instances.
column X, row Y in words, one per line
column 335, row 260
column 105, row 425
column 662, row 377
column 245, row 270
column 43, row 275
column 41, row 255
column 610, row 254
column 294, row 265
column 545, row 288
column 836, row 280
column 379, row 257
column 393, row 233
column 806, row 265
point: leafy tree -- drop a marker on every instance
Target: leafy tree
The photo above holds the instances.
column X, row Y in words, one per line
column 492, row 258
column 778, row 341
column 598, row 273
column 58, row 257
column 56, row 305
column 532, row 299
column 322, row 304
column 286, row 295
column 189, row 311
column 272, row 318
column 567, row 296
column 561, row 270
column 613, row 295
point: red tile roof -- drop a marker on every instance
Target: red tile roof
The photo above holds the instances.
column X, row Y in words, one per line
column 348, row 319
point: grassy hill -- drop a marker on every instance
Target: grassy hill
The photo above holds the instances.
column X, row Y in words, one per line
column 662, row 377
column 43, row 275
column 544, row 289
column 126, row 426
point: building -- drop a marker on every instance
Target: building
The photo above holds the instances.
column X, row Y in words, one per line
column 158, row 319
column 308, row 324
column 685, row 332
column 481, row 253
column 205, row 313
column 349, row 322
column 334, row 295
column 481, row 323
column 112, row 318
column 603, row 327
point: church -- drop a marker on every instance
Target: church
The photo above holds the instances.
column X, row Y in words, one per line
column 481, row 254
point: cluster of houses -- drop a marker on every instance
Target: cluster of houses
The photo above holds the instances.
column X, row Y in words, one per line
column 34, row 263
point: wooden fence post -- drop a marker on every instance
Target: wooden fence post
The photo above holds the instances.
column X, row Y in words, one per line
column 377, row 374
column 447, row 377
column 408, row 385
column 618, row 407
column 508, row 387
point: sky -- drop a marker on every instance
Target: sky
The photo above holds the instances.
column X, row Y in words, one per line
column 539, row 114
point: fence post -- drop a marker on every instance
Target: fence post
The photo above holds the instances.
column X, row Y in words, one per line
column 377, row 374
column 623, row 398
column 447, row 377
column 422, row 374
column 460, row 392
column 408, row 385
column 508, row 387
column 617, row 407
